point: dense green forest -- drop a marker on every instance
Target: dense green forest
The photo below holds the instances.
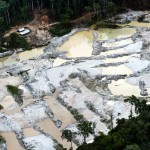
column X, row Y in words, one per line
column 15, row 11
column 129, row 134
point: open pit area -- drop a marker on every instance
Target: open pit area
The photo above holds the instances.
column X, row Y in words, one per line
column 84, row 69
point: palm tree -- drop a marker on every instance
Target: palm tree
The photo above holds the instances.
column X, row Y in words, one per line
column 68, row 135
column 86, row 128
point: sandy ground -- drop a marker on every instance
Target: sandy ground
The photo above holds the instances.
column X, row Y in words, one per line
column 18, row 109
column 15, row 81
column 49, row 127
column 60, row 112
column 8, row 103
column 29, row 132
column 11, row 141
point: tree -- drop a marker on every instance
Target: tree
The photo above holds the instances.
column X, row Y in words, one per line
column 132, row 147
column 86, row 128
column 15, row 41
column 89, row 9
column 129, row 134
column 1, row 107
column 68, row 135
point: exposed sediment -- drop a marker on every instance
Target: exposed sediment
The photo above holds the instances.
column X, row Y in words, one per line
column 83, row 86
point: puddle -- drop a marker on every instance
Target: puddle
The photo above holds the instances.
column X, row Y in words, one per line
column 107, row 34
column 9, row 60
column 121, row 87
column 79, row 45
column 139, row 24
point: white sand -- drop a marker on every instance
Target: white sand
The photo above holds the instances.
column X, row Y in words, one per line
column 59, row 61
column 121, row 87
column 135, row 80
column 40, row 142
column 8, row 103
column 117, row 70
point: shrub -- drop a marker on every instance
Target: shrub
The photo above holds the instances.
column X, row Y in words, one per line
column 106, row 25
column 61, row 29
column 2, row 140
column 16, row 93
column 15, row 41
column 1, row 107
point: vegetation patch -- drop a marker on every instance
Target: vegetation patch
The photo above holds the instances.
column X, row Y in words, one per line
column 15, row 41
column 129, row 134
column 16, row 93
column 1, row 107
column 24, row 71
column 2, row 143
column 61, row 29
column 2, row 140
column 106, row 25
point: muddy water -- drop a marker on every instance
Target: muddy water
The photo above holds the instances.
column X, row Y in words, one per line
column 80, row 44
column 9, row 60
column 126, row 89
column 107, row 34
column 139, row 24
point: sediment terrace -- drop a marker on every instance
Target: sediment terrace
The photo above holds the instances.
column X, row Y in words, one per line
column 74, row 73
